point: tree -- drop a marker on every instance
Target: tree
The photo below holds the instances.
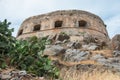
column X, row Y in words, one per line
column 6, row 41
column 6, row 38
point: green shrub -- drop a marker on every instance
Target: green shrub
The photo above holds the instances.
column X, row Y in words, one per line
column 6, row 42
column 6, row 38
column 24, row 55
column 27, row 55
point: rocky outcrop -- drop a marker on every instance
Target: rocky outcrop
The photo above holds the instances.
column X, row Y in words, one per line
column 116, row 42
column 86, row 51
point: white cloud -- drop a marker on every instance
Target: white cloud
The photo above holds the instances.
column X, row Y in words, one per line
column 18, row 10
column 113, row 26
column 22, row 8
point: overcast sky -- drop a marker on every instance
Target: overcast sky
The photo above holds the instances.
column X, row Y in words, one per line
column 18, row 10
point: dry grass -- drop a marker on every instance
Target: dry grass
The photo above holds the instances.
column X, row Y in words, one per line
column 106, row 53
column 71, row 74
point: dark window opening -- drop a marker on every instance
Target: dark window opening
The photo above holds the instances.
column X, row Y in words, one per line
column 71, row 14
column 20, row 32
column 105, row 25
column 58, row 24
column 61, row 14
column 37, row 27
column 82, row 23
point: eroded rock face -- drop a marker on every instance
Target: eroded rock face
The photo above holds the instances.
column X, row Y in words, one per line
column 54, row 50
column 90, row 46
column 62, row 37
column 116, row 42
column 116, row 53
column 74, row 55
column 83, row 52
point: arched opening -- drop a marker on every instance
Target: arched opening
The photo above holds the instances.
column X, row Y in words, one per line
column 58, row 24
column 82, row 23
column 20, row 32
column 37, row 27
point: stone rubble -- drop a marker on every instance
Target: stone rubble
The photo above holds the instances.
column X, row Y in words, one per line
column 13, row 74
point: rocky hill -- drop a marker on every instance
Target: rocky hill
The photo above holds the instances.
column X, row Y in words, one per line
column 85, row 53
column 85, row 50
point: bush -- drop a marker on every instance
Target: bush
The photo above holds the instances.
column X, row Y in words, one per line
column 6, row 38
column 6, row 42
column 24, row 55
column 27, row 55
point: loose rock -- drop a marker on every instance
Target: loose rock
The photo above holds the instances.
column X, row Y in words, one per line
column 91, row 46
column 75, row 55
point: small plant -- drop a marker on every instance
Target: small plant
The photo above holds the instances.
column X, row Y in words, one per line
column 63, row 33
column 82, row 33
column 89, row 39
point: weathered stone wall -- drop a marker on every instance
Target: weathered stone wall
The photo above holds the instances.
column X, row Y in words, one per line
column 70, row 24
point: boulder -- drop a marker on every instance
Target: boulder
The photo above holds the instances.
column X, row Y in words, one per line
column 54, row 50
column 5, row 76
column 74, row 45
column 103, row 61
column 116, row 42
column 62, row 37
column 90, row 46
column 89, row 39
column 70, row 44
column 52, row 37
column 13, row 75
column 22, row 73
column 116, row 53
column 97, row 56
column 75, row 55
column 58, row 42
column 114, row 60
column 76, row 38
column 114, row 65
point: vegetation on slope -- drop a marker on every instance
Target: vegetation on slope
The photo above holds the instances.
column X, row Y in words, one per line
column 24, row 54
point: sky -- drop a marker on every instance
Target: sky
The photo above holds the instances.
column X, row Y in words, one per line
column 16, row 11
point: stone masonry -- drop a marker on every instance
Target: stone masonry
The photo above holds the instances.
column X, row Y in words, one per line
column 72, row 22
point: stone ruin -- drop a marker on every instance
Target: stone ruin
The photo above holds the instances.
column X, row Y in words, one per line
column 77, row 38
column 72, row 22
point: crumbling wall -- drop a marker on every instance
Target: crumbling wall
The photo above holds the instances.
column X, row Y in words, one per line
column 72, row 21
